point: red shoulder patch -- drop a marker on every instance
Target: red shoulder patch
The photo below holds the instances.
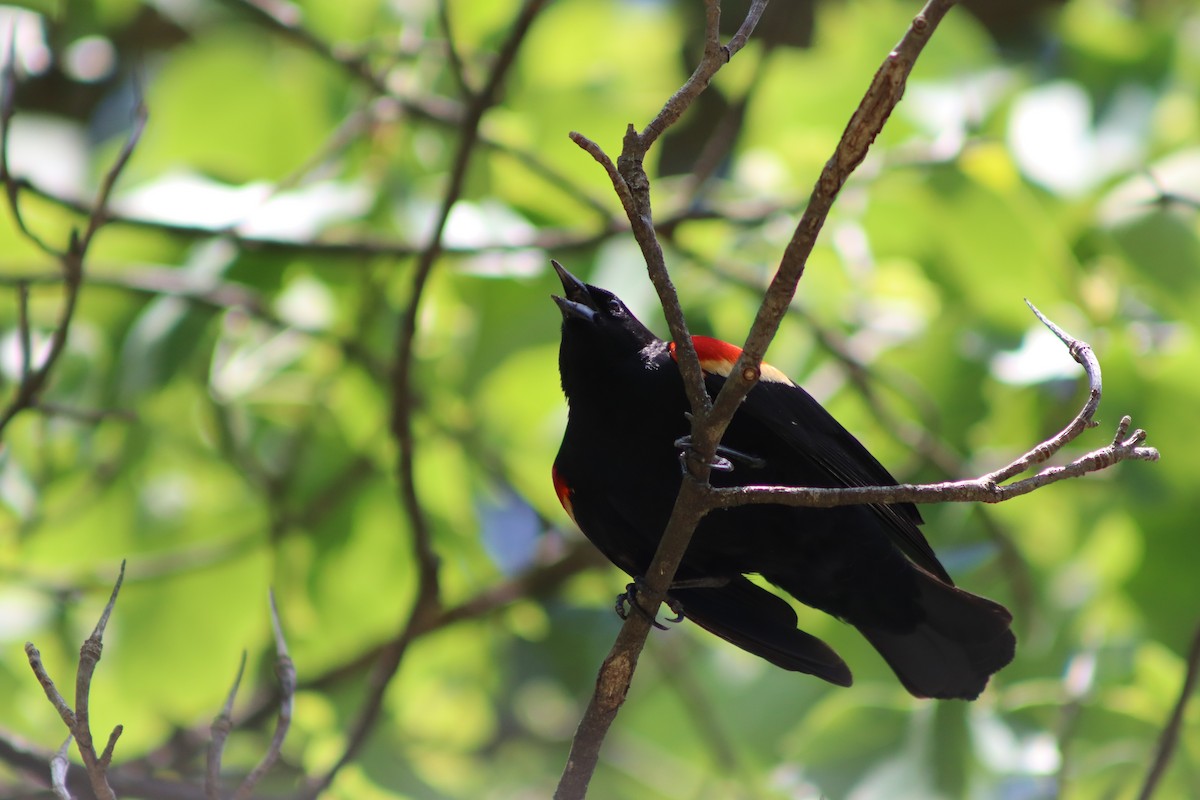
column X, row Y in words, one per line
column 718, row 357
column 563, row 491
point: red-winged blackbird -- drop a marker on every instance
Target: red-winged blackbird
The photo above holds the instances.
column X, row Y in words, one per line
column 618, row 472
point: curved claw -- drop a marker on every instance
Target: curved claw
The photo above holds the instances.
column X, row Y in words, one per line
column 628, row 599
column 676, row 609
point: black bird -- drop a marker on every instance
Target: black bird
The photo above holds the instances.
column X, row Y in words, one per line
column 618, row 471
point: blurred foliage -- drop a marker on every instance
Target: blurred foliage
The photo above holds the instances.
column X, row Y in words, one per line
column 220, row 417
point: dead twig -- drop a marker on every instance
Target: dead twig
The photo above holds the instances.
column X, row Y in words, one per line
column 71, row 259
column 285, row 670
column 220, row 730
column 78, row 721
column 989, row 488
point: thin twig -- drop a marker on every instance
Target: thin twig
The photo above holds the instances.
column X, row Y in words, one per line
column 457, row 69
column 71, row 259
column 220, row 730
column 1168, row 740
column 867, row 121
column 987, row 489
column 89, row 657
column 23, row 330
column 978, row 490
column 12, row 186
column 77, row 722
column 285, row 670
column 52, row 694
column 1082, row 353
column 427, row 602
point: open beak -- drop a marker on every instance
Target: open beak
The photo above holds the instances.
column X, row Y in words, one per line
column 576, row 300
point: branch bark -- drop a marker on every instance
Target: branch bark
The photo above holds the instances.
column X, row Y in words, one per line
column 70, row 259
column 78, row 721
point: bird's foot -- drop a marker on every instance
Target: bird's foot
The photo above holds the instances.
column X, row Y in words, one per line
column 628, row 599
column 723, row 460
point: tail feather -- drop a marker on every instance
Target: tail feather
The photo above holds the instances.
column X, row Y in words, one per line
column 764, row 624
column 952, row 652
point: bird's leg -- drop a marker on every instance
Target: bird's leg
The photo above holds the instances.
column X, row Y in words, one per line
column 628, row 598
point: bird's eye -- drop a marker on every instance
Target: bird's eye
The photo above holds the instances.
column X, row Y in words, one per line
column 615, row 308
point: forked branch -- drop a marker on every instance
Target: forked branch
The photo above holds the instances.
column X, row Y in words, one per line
column 696, row 496
column 77, row 721
column 70, row 259
column 989, row 488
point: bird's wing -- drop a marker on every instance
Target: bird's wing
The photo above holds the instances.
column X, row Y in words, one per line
column 785, row 420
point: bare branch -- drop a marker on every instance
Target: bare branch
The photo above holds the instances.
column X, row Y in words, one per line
column 979, row 490
column 12, row 186
column 99, row 215
column 427, row 602
column 715, row 57
column 868, row 119
column 457, row 69
column 70, row 260
column 285, row 669
column 1168, row 740
column 221, row 728
column 987, row 489
column 1082, row 353
column 78, row 722
column 23, row 330
column 618, row 182
column 52, row 693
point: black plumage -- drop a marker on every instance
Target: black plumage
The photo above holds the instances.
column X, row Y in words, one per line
column 618, row 472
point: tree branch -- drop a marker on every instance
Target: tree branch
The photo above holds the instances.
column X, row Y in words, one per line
column 1169, row 738
column 987, row 489
column 427, row 602
column 285, row 670
column 633, row 188
column 220, row 730
column 77, row 722
column 33, row 380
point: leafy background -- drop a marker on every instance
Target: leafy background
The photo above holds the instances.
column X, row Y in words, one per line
column 220, row 417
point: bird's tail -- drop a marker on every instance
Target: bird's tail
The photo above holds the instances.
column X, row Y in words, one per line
column 952, row 652
column 761, row 623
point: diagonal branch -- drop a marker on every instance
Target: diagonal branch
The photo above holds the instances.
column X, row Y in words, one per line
column 867, row 121
column 427, row 602
column 1169, row 738
column 1082, row 353
column 33, row 381
column 709, row 422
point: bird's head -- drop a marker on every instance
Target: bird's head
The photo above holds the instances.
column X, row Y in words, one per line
column 598, row 332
